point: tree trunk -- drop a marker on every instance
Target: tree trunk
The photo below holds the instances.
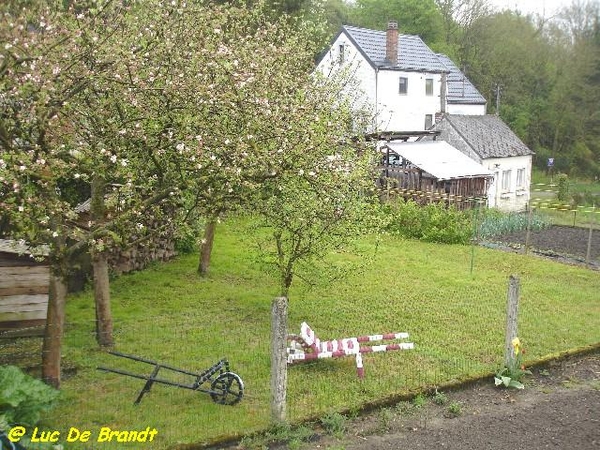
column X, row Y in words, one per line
column 206, row 246
column 55, row 319
column 104, row 326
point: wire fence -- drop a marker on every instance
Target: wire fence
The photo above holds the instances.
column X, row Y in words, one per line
column 457, row 327
column 457, row 335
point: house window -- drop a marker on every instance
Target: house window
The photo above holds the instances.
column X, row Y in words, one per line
column 506, row 178
column 520, row 178
column 428, row 121
column 403, row 86
column 429, row 86
column 341, row 54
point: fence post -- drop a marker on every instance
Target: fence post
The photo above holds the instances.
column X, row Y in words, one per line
column 278, row 358
column 528, row 235
column 589, row 246
column 512, row 313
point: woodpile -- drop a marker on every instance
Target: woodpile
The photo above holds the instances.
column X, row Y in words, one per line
column 140, row 256
column 23, row 287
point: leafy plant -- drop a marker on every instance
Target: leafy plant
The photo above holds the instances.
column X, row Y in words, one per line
column 496, row 222
column 439, row 398
column 22, row 397
column 455, row 408
column 386, row 416
column 419, row 401
column 510, row 376
column 335, row 424
column 433, row 222
column 563, row 187
column 284, row 432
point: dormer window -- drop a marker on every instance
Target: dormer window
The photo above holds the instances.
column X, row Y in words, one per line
column 341, row 53
column 403, row 86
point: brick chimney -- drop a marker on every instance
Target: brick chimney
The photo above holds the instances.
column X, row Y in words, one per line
column 391, row 43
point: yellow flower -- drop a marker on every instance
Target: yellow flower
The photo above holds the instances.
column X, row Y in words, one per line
column 516, row 343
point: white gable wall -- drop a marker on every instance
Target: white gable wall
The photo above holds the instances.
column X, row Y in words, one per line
column 509, row 191
column 362, row 90
column 406, row 112
column 380, row 89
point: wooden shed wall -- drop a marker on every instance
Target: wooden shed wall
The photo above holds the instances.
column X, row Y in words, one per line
column 423, row 188
column 23, row 292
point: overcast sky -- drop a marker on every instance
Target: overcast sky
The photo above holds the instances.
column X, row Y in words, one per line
column 546, row 8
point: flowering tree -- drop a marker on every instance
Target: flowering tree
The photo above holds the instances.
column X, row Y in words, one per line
column 325, row 199
column 148, row 107
column 32, row 166
column 79, row 105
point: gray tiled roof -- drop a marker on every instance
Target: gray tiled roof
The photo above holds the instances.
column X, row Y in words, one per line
column 481, row 137
column 413, row 53
column 460, row 89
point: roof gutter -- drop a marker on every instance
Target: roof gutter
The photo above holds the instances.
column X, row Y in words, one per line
column 376, row 100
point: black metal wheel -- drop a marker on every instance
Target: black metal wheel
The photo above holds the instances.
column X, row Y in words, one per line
column 228, row 389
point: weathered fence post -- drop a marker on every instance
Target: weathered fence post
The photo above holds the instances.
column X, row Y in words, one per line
column 528, row 235
column 278, row 358
column 512, row 313
column 589, row 245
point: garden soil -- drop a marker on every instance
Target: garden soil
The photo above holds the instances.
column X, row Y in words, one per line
column 558, row 409
column 565, row 244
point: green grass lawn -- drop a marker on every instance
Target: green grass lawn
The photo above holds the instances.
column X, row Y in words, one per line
column 455, row 318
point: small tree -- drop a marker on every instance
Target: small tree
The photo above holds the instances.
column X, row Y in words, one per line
column 320, row 200
column 562, row 193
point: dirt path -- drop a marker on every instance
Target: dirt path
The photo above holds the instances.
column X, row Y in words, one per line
column 559, row 408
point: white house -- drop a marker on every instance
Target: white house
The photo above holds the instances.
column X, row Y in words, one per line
column 398, row 75
column 411, row 89
column 400, row 78
column 489, row 141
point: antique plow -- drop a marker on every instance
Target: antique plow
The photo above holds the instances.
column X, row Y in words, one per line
column 307, row 346
column 226, row 388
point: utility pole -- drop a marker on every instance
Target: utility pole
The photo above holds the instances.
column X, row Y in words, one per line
column 498, row 91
